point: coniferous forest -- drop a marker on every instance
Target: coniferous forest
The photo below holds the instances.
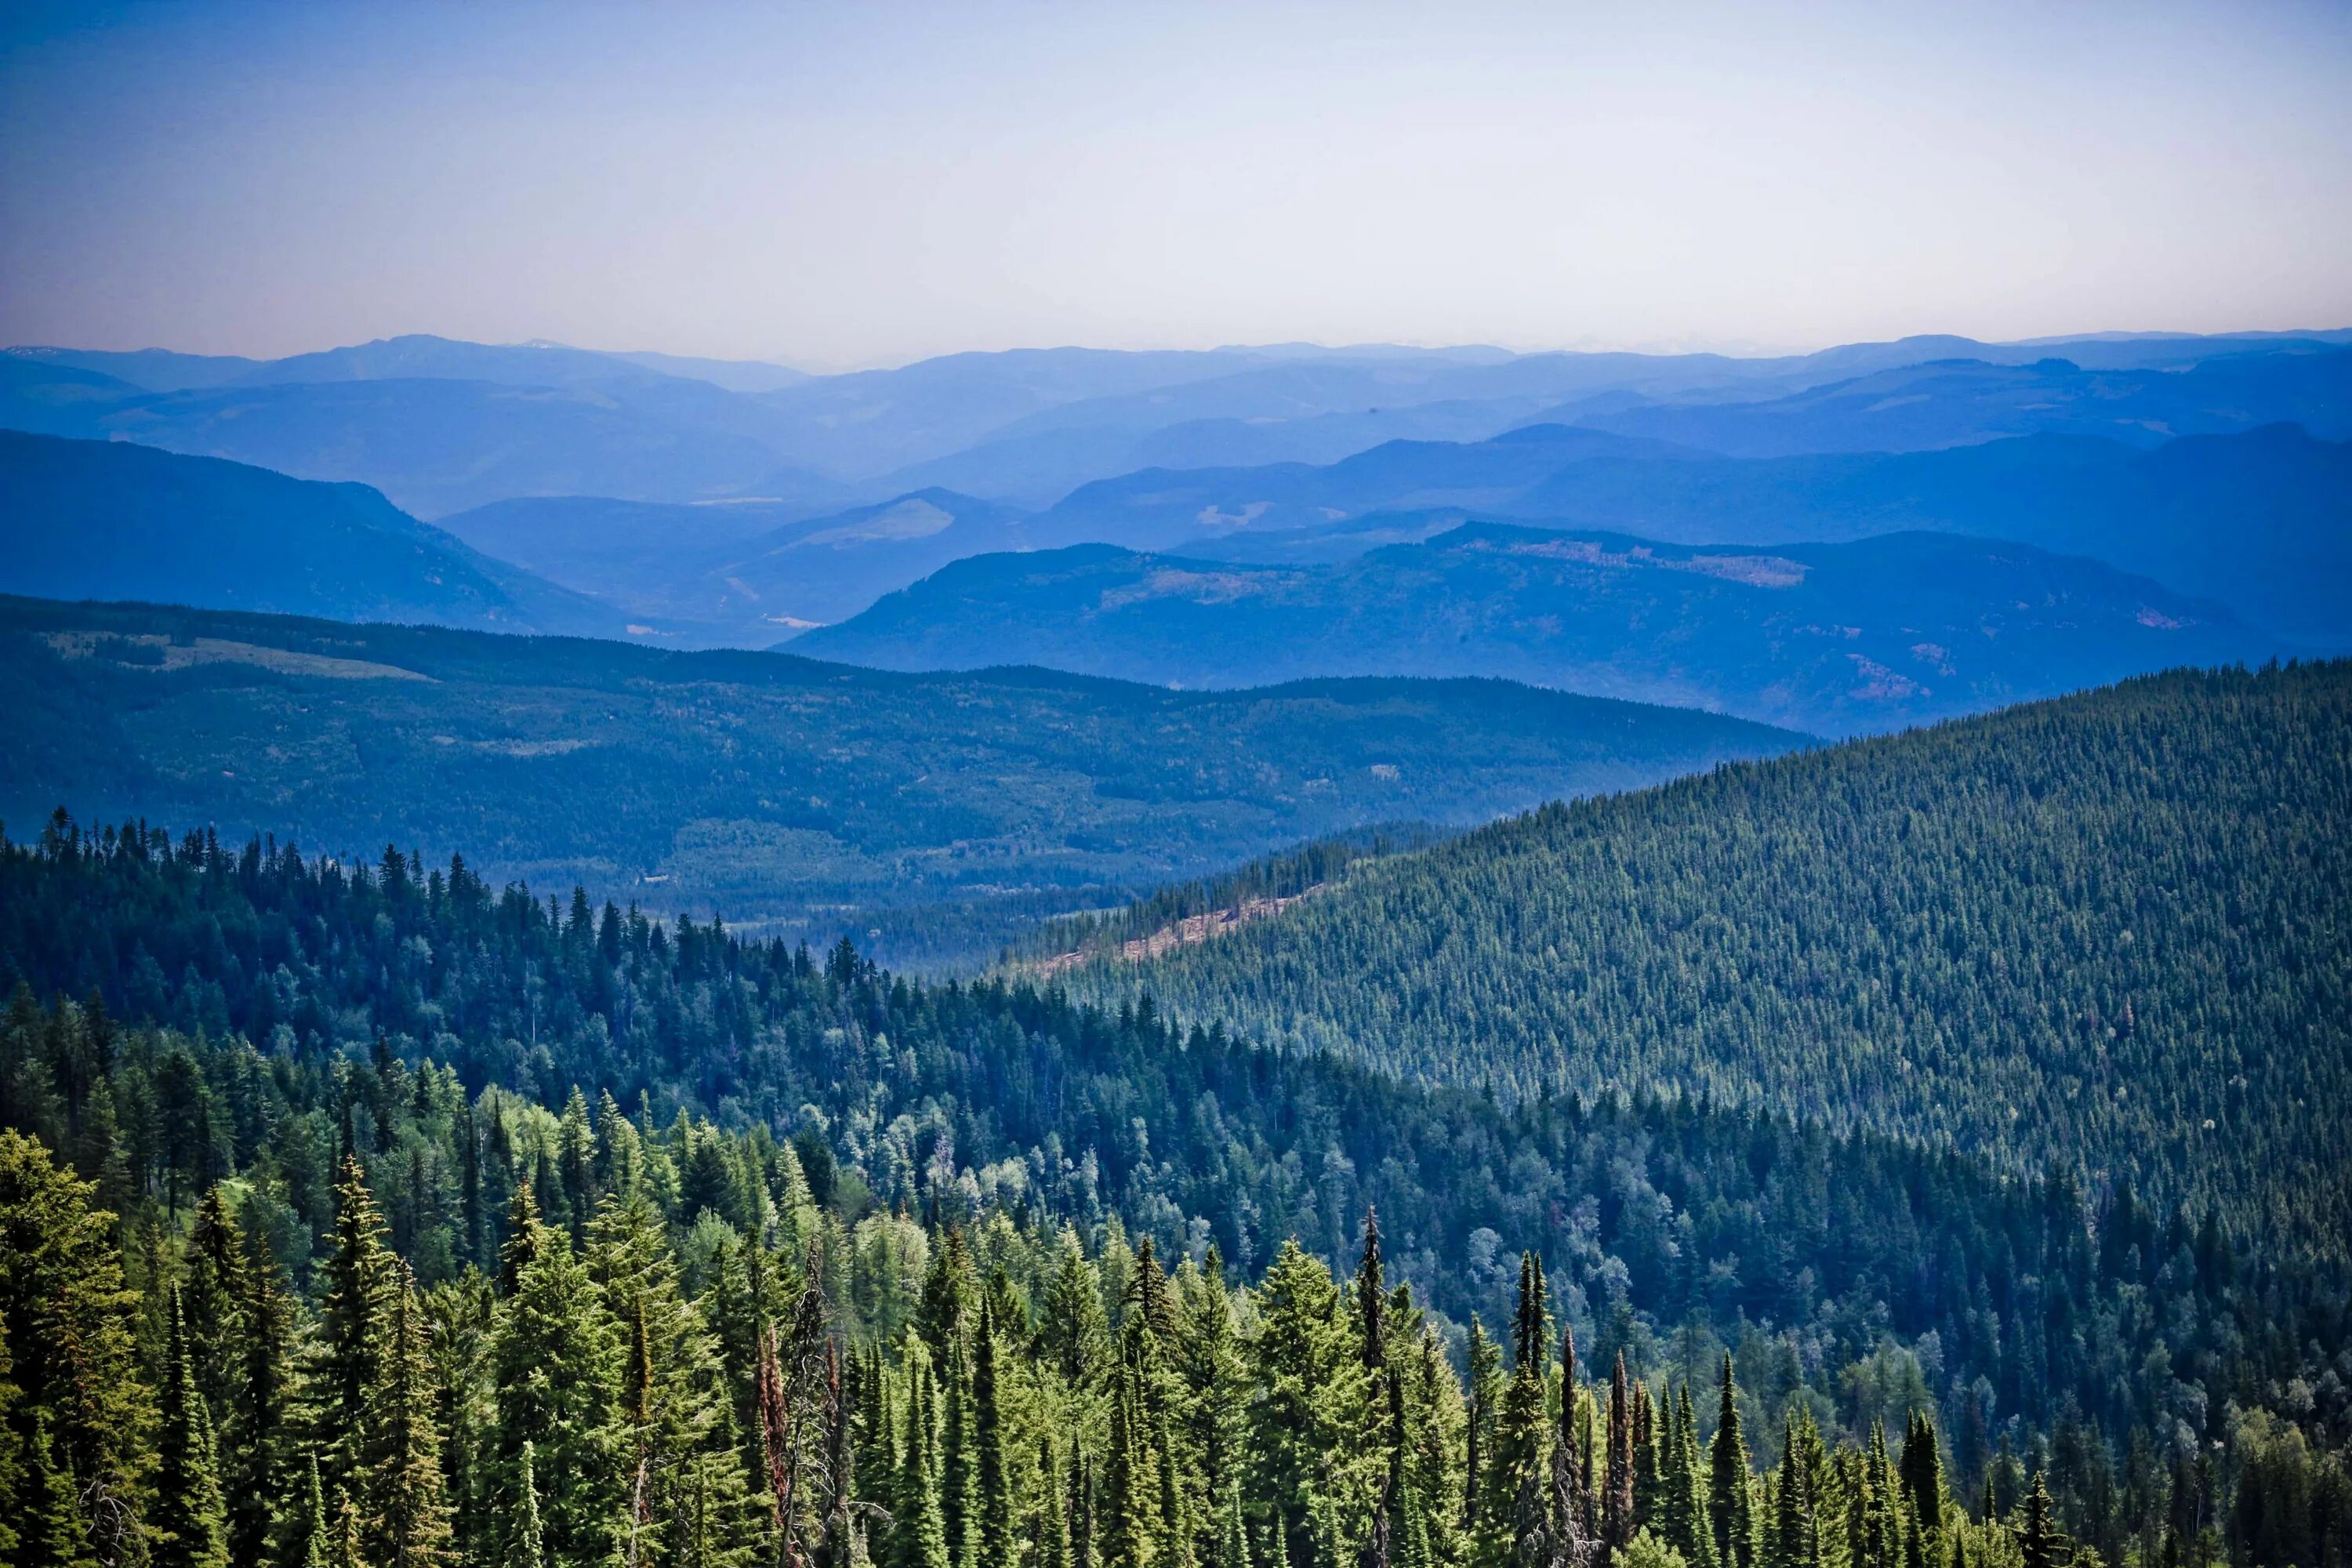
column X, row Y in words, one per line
column 369, row 1215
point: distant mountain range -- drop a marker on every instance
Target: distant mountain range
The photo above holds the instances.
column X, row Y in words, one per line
column 110, row 520
column 1835, row 638
column 739, row 574
column 443, row 427
column 2261, row 521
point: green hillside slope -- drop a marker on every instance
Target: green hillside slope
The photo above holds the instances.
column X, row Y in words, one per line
column 2113, row 928
column 763, row 786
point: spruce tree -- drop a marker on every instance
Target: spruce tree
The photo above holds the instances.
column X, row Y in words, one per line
column 1922, row 1473
column 2038, row 1543
column 995, row 1543
column 308, row 1544
column 527, row 1530
column 50, row 1530
column 353, row 1323
column 253, row 1459
column 191, row 1521
column 958, row 1469
column 1129, row 1528
column 1486, row 1402
column 555, row 1358
column 406, row 1523
column 1617, row 1522
column 1730, row 1500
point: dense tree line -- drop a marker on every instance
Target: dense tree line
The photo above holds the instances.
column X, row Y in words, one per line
column 769, row 786
column 294, row 1012
column 2113, row 930
column 624, row 1384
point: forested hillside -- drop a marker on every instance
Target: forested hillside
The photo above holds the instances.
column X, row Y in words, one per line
column 369, row 1264
column 2111, row 931
column 1859, row 638
column 768, row 787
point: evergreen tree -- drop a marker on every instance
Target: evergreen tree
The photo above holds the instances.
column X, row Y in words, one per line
column 1730, row 1501
column 1922, row 1473
column 191, row 1521
column 406, row 1524
column 527, row 1530
column 2038, row 1543
column 1485, row 1401
column 1617, row 1520
column 50, row 1530
column 555, row 1363
column 919, row 1531
column 253, row 1459
column 306, row 1533
column 67, row 1319
column 995, row 1543
column 1130, row 1528
column 354, row 1320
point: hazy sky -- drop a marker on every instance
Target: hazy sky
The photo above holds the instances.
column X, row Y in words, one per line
column 859, row 185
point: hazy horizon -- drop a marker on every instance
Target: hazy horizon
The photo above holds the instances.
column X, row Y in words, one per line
column 841, row 189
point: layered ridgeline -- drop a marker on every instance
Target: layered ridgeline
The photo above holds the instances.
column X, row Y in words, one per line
column 1833, row 639
column 109, row 519
column 397, row 1295
column 769, row 786
column 2111, row 933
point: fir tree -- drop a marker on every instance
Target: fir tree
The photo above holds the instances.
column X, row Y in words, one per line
column 1922, row 1473
column 190, row 1522
column 253, row 1459
column 1617, row 1519
column 352, row 1329
column 407, row 1519
column 2039, row 1544
column 1730, row 1501
column 995, row 1543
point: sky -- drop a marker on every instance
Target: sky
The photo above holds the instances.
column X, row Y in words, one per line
column 836, row 187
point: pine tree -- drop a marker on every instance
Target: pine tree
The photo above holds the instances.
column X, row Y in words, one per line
column 1129, row 1530
column 1923, row 1474
column 1486, row 1393
column 528, row 1531
column 995, row 1543
column 919, row 1531
column 1647, row 1471
column 1617, row 1522
column 2039, row 1544
column 50, row 1531
column 406, row 1523
column 253, row 1460
column 1731, row 1500
column 190, row 1522
column 353, row 1320
column 555, row 1369
column 68, row 1322
column 307, row 1529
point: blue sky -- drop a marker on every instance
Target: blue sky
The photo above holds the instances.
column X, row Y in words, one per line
column 842, row 186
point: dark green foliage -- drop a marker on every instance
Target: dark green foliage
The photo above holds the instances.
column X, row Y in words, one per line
column 958, row 808
column 190, row 1522
column 2108, row 932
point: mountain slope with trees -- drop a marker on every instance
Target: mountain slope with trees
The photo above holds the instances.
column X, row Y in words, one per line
column 2112, row 932
column 1833, row 639
column 765, row 785
column 966, row 1275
